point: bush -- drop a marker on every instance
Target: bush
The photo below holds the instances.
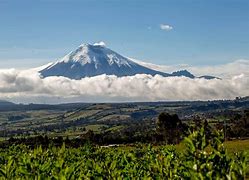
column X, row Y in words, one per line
column 203, row 159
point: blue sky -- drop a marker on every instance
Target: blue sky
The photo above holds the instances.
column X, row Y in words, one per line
column 35, row 32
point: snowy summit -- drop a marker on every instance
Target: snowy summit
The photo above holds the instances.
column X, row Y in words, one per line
column 90, row 60
column 96, row 59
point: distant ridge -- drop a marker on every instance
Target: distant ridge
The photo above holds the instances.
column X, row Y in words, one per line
column 5, row 103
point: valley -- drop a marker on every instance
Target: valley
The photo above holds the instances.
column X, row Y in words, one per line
column 74, row 120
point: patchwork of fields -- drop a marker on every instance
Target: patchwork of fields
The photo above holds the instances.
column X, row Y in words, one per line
column 75, row 119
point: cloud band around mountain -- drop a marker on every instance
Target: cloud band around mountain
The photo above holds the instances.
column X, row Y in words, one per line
column 30, row 86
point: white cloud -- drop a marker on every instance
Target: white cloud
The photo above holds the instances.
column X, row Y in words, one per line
column 166, row 27
column 101, row 43
column 27, row 86
column 224, row 71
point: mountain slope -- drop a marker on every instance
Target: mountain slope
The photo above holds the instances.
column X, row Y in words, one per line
column 5, row 103
column 92, row 60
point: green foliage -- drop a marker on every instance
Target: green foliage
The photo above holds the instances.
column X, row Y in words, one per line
column 168, row 121
column 170, row 128
column 203, row 159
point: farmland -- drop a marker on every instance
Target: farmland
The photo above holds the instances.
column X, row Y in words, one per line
column 207, row 140
column 142, row 162
column 73, row 120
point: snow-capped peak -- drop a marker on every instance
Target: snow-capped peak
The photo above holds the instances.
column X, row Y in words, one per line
column 79, row 55
column 97, row 54
column 95, row 59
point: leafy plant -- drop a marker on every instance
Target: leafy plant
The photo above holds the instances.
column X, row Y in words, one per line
column 204, row 158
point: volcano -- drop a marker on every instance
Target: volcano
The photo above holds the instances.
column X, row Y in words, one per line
column 90, row 60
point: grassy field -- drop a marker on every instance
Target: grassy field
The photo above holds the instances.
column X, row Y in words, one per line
column 237, row 145
column 233, row 146
column 96, row 128
column 140, row 162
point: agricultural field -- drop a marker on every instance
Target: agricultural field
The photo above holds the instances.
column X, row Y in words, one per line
column 163, row 140
column 237, row 145
column 201, row 159
column 67, row 119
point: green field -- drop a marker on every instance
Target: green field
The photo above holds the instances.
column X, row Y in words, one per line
column 80, row 141
column 67, row 119
column 237, row 145
column 234, row 146
column 139, row 162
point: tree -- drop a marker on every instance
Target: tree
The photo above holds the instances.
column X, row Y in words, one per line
column 169, row 127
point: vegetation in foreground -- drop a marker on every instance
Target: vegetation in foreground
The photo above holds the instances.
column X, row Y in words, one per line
column 58, row 150
column 203, row 158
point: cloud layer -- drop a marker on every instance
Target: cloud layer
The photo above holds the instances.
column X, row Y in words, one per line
column 28, row 86
column 224, row 71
